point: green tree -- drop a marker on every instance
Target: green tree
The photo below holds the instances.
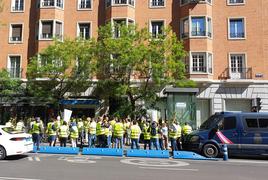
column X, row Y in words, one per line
column 9, row 86
column 137, row 66
column 62, row 68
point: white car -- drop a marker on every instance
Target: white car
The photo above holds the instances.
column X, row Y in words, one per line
column 13, row 142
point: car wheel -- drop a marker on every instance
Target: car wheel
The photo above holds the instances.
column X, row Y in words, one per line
column 210, row 151
column 2, row 153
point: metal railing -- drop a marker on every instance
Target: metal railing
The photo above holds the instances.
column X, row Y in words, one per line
column 18, row 8
column 156, row 3
column 46, row 35
column 15, row 39
column 198, row 33
column 236, row 73
column 237, row 35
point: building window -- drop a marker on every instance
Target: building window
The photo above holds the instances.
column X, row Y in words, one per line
column 200, row 27
column 15, row 33
column 84, row 30
column 17, row 5
column 183, row 2
column 14, row 66
column 119, row 2
column 50, row 29
column 157, row 28
column 157, row 3
column 52, row 3
column 238, row 68
column 201, row 62
column 236, row 28
column 118, row 23
column 235, row 2
column 84, row 4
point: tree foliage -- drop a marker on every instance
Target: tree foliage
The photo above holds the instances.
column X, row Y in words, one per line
column 62, row 68
column 136, row 65
column 9, row 86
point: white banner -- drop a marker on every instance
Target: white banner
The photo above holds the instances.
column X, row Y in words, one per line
column 67, row 115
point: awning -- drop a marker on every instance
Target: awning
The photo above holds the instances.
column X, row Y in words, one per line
column 79, row 102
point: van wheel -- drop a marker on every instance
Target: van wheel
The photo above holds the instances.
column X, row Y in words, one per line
column 2, row 153
column 210, row 151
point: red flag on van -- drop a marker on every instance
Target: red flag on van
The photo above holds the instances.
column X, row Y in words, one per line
column 223, row 138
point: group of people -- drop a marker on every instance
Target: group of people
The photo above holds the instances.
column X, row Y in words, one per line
column 107, row 133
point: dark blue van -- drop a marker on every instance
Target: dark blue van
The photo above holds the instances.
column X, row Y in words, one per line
column 247, row 131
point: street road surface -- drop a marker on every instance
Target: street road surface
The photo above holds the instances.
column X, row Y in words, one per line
column 77, row 167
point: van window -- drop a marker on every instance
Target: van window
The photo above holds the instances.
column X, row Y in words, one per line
column 252, row 123
column 211, row 122
column 228, row 123
column 263, row 123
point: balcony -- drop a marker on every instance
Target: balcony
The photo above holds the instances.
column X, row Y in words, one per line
column 46, row 36
column 236, row 74
column 15, row 72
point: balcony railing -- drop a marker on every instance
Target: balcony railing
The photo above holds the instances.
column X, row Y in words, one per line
column 157, row 3
column 200, row 69
column 237, row 35
column 236, row 73
column 15, row 39
column 46, row 36
column 198, row 33
column 85, row 5
column 48, row 4
column 15, row 72
column 17, row 8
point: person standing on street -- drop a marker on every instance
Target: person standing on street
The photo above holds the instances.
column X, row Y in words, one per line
column 135, row 133
column 63, row 134
column 118, row 134
column 100, row 131
column 147, row 135
column 173, row 131
column 52, row 132
column 74, row 134
column 37, row 131
column 165, row 135
column 92, row 133
column 179, row 146
column 154, row 141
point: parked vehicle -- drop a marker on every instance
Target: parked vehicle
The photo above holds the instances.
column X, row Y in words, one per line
column 13, row 142
column 248, row 133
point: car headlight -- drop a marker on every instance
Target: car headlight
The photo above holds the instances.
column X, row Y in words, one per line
column 194, row 139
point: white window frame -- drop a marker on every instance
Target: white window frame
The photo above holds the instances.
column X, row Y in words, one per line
column 235, row 4
column 156, row 20
column 244, row 54
column 78, row 28
column 10, row 33
column 190, row 26
column 229, row 30
column 53, row 31
column 84, row 9
column 206, row 53
column 157, row 7
column 13, row 5
column 201, row 2
column 113, row 4
column 55, row 5
column 9, row 63
column 120, row 18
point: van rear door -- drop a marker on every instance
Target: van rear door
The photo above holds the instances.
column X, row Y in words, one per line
column 254, row 136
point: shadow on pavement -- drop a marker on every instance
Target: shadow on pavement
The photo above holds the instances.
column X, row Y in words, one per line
column 16, row 157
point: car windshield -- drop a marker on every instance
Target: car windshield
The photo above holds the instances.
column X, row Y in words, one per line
column 10, row 130
column 210, row 122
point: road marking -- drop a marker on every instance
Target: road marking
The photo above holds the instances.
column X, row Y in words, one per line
column 154, row 162
column 37, row 159
column 30, row 158
column 170, row 169
column 79, row 159
column 34, row 159
column 13, row 178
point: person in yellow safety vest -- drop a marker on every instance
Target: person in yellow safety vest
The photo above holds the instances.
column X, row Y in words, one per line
column 100, row 132
column 127, row 131
column 20, row 126
column 9, row 123
column 112, row 122
column 86, row 127
column 92, row 134
column 118, row 134
column 187, row 129
column 147, row 135
column 74, row 134
column 135, row 132
column 37, row 130
column 63, row 134
column 108, row 134
column 154, row 130
column 179, row 146
column 173, row 132
column 58, row 123
column 80, row 126
column 32, row 121
column 52, row 132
